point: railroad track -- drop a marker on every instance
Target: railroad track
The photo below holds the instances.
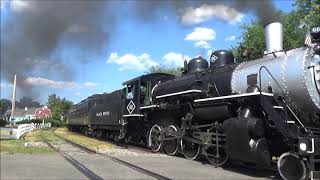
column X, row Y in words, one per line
column 80, row 167
column 87, row 172
column 126, row 146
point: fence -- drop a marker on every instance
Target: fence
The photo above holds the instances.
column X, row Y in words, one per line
column 24, row 128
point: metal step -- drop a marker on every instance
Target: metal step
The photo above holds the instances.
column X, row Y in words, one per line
column 290, row 122
column 278, row 107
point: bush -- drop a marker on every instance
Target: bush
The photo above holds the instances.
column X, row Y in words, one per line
column 54, row 122
column 27, row 121
column 3, row 123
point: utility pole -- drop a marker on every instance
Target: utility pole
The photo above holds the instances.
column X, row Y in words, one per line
column 13, row 107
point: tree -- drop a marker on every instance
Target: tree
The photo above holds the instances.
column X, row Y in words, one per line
column 253, row 40
column 164, row 69
column 59, row 106
column 5, row 104
column 306, row 12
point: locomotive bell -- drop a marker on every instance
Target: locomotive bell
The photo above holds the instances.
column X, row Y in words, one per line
column 197, row 65
column 221, row 58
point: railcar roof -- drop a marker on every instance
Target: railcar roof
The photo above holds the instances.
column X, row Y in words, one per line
column 148, row 77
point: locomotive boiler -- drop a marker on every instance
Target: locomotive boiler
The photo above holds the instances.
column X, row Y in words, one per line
column 264, row 112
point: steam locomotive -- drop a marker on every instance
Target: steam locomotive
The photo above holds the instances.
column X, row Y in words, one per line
column 264, row 112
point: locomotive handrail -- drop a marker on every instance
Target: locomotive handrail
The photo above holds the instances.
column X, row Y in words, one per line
column 260, row 84
column 287, row 107
column 314, row 77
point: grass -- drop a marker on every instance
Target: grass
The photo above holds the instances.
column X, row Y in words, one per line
column 12, row 146
column 6, row 132
column 83, row 140
column 39, row 135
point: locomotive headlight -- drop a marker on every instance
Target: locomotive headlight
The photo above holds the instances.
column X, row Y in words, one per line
column 303, row 146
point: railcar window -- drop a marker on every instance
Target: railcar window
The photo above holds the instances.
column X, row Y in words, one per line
column 145, row 89
column 130, row 94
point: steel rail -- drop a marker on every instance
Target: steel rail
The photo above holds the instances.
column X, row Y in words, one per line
column 80, row 167
column 127, row 164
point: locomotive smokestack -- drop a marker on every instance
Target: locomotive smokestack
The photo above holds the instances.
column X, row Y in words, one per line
column 273, row 37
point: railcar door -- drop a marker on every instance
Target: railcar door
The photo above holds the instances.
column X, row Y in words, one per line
column 131, row 100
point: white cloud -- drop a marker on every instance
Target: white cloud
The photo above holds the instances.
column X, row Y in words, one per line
column 38, row 81
column 201, row 34
column 3, row 4
column 175, row 59
column 21, row 5
column 230, row 38
column 76, row 28
column 206, row 12
column 210, row 52
column 132, row 62
column 91, row 84
column 202, row 44
column 77, row 94
column 5, row 85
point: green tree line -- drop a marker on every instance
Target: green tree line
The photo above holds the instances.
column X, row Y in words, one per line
column 295, row 26
column 59, row 106
column 252, row 45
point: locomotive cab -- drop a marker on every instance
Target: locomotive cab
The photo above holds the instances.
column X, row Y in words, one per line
column 137, row 92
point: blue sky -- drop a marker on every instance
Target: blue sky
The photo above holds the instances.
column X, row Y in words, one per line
column 133, row 47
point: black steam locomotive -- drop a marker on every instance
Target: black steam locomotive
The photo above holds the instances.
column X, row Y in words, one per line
column 260, row 112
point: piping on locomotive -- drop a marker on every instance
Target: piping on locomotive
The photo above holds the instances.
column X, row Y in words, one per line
column 264, row 112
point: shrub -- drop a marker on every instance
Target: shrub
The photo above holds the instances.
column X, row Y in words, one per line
column 27, row 121
column 3, row 123
column 54, row 122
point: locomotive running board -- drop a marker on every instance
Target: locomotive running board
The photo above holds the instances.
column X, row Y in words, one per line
column 133, row 115
column 179, row 93
column 234, row 96
column 151, row 106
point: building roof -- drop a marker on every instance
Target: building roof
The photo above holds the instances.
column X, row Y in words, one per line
column 22, row 112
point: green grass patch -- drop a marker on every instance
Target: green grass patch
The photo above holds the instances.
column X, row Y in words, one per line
column 42, row 134
column 85, row 141
column 13, row 146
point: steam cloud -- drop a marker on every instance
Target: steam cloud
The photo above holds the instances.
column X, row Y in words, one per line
column 37, row 32
column 265, row 9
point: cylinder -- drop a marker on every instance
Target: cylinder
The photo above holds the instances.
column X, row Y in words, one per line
column 290, row 166
column 273, row 37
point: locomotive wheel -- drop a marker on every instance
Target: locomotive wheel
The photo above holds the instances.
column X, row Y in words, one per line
column 170, row 147
column 189, row 149
column 154, row 142
column 216, row 156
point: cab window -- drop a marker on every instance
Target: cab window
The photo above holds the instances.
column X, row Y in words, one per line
column 130, row 92
column 145, row 93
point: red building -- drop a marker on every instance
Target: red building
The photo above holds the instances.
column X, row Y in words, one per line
column 43, row 112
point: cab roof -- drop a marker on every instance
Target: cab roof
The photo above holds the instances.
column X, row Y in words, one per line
column 150, row 77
